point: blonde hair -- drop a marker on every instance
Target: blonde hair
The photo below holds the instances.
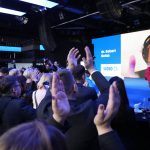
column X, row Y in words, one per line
column 46, row 77
column 14, row 72
column 34, row 135
column 28, row 72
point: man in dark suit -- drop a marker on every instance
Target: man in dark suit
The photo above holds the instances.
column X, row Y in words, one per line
column 108, row 139
column 82, row 135
column 84, row 92
column 13, row 110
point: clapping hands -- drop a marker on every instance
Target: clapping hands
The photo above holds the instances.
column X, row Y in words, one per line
column 73, row 58
column 104, row 116
column 88, row 60
column 60, row 104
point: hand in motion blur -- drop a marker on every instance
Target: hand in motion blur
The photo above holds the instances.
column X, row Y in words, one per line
column 73, row 58
column 131, row 68
column 60, row 104
column 104, row 116
column 88, row 61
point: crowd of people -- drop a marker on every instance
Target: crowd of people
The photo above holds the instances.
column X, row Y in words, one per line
column 55, row 109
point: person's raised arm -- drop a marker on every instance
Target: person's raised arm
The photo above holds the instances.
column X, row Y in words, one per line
column 88, row 60
column 108, row 139
column 60, row 104
column 104, row 116
column 72, row 58
column 99, row 79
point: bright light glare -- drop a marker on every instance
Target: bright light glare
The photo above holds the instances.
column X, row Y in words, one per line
column 11, row 12
column 42, row 48
column 44, row 3
column 10, row 48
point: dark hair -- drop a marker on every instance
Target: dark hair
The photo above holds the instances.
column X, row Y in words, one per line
column 6, row 83
column 22, row 80
column 124, row 103
column 145, row 49
column 34, row 135
column 78, row 72
column 122, row 90
column 67, row 79
column 4, row 70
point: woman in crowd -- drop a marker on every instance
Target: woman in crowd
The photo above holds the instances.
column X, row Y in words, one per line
column 43, row 89
column 32, row 77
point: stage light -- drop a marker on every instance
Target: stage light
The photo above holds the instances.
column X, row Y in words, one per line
column 37, row 9
column 44, row 3
column 11, row 12
column 22, row 19
column 42, row 48
column 10, row 48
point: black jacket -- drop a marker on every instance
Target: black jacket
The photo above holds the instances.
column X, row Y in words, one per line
column 82, row 135
column 14, row 112
column 86, row 93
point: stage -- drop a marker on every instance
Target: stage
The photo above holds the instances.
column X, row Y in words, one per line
column 137, row 90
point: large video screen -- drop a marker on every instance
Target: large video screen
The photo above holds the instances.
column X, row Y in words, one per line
column 121, row 55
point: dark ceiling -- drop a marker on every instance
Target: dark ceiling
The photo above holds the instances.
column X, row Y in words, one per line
column 91, row 18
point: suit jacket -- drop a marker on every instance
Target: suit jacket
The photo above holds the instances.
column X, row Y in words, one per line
column 86, row 93
column 83, row 134
column 14, row 112
column 101, row 82
column 110, row 141
column 103, row 86
column 80, row 132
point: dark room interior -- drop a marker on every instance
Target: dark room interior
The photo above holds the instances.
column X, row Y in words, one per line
column 74, row 23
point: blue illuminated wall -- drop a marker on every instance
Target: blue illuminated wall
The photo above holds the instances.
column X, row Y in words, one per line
column 111, row 58
column 107, row 51
column 15, row 49
column 114, row 54
column 10, row 49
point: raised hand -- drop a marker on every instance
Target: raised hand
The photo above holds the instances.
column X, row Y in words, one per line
column 60, row 104
column 88, row 61
column 104, row 116
column 73, row 58
column 131, row 68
